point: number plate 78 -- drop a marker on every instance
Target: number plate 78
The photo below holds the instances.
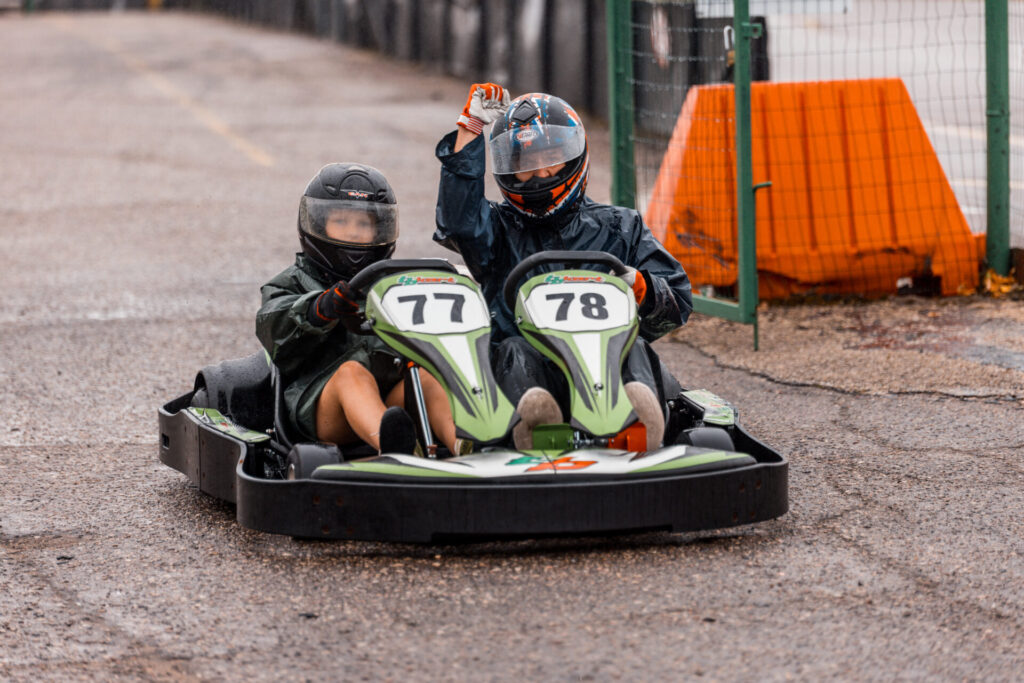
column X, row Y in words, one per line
column 579, row 307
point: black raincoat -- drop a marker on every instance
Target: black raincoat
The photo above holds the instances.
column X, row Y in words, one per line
column 493, row 237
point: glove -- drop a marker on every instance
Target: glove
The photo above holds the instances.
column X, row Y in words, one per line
column 486, row 103
column 635, row 279
column 339, row 301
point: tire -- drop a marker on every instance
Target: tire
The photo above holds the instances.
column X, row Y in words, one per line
column 304, row 458
column 714, row 438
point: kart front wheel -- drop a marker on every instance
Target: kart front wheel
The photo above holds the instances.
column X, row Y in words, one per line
column 303, row 458
column 715, row 438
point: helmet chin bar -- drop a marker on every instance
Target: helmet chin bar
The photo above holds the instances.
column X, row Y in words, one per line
column 534, row 198
column 340, row 262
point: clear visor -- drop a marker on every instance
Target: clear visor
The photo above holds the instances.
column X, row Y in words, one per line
column 536, row 146
column 349, row 222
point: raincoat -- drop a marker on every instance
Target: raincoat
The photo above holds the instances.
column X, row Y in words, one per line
column 493, row 237
column 307, row 355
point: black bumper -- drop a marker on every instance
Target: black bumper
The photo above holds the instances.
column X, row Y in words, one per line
column 225, row 467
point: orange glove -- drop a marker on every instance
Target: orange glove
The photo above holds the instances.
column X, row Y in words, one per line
column 485, row 104
column 635, row 279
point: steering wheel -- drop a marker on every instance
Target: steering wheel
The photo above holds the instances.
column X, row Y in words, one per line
column 375, row 271
column 563, row 257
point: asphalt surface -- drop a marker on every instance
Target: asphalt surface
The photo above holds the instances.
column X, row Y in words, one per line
column 152, row 166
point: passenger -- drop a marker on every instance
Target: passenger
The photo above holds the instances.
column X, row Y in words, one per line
column 340, row 386
column 540, row 160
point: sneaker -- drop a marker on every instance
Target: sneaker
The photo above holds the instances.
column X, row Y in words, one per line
column 536, row 407
column 463, row 447
column 397, row 432
column 648, row 409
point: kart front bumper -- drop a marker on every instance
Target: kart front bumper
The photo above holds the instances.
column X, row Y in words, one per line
column 224, row 464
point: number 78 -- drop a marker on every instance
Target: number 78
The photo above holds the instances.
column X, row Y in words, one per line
column 592, row 305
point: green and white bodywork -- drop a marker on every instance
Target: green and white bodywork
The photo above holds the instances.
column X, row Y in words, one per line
column 220, row 437
column 440, row 321
column 585, row 322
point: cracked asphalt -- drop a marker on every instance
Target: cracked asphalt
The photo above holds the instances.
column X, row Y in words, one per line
column 152, row 165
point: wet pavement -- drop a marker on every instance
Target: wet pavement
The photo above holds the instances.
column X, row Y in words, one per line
column 152, row 168
column 971, row 347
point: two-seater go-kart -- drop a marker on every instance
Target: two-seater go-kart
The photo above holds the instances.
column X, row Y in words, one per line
column 591, row 475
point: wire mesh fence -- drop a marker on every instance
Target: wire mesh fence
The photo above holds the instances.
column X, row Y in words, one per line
column 869, row 119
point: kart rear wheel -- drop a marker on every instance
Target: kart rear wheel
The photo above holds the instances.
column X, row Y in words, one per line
column 303, row 458
column 715, row 438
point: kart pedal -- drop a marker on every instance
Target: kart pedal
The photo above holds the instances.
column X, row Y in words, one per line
column 648, row 411
column 632, row 438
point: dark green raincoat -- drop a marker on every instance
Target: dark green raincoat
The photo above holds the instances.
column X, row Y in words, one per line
column 307, row 355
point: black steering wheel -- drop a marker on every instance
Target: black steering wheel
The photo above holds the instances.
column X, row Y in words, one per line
column 366, row 277
column 375, row 271
column 563, row 257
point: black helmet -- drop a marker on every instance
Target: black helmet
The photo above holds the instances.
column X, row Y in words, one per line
column 348, row 219
column 540, row 130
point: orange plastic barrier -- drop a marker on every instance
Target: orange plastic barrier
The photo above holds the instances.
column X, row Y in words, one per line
column 858, row 197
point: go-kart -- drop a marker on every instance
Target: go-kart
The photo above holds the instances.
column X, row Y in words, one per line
column 591, row 475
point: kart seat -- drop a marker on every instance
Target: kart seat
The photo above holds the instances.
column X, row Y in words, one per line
column 239, row 388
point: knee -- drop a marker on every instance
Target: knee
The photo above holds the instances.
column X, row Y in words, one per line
column 349, row 372
column 430, row 384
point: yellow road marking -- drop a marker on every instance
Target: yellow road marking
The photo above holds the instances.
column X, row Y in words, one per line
column 172, row 92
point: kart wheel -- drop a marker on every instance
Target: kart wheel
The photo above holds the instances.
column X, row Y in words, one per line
column 303, row 458
column 707, row 437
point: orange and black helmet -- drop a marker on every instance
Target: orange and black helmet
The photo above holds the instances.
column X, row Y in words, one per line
column 538, row 131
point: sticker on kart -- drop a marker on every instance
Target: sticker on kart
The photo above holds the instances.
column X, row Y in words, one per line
column 717, row 411
column 487, row 465
column 615, row 462
column 578, row 304
column 215, row 419
column 434, row 305
column 503, row 464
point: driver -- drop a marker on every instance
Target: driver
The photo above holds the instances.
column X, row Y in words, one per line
column 340, row 386
column 540, row 160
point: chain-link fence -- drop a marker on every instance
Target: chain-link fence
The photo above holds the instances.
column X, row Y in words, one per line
column 867, row 116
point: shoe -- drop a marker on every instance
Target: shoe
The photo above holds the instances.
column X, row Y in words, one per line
column 648, row 409
column 536, row 407
column 463, row 447
column 397, row 432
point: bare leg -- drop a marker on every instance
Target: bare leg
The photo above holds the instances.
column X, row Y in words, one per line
column 439, row 412
column 349, row 407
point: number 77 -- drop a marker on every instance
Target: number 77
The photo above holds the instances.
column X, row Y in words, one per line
column 420, row 301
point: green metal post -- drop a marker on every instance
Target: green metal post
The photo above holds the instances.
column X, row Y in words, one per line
column 997, row 70
column 620, row 94
column 746, row 239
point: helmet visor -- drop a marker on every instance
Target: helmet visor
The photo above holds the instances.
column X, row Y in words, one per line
column 349, row 222
column 528, row 148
